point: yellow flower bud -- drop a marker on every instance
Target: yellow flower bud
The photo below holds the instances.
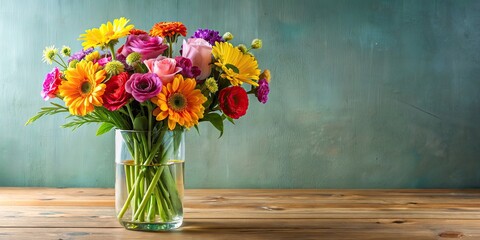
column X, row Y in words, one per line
column 242, row 48
column 227, row 36
column 265, row 75
column 256, row 43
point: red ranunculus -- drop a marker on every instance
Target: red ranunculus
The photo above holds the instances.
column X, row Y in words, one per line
column 115, row 95
column 233, row 101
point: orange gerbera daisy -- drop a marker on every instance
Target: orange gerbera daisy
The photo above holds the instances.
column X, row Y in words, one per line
column 84, row 88
column 168, row 29
column 180, row 102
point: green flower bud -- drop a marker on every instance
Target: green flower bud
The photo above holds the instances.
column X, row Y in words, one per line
column 73, row 63
column 227, row 36
column 133, row 58
column 242, row 48
column 211, row 85
column 66, row 51
column 114, row 67
column 256, row 43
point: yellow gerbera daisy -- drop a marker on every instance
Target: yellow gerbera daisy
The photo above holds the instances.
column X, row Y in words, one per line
column 236, row 66
column 106, row 33
column 180, row 102
column 84, row 88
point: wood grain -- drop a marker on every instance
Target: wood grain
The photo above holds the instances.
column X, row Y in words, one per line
column 88, row 213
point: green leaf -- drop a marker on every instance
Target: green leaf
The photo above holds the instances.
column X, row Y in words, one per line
column 216, row 120
column 140, row 123
column 104, row 128
column 93, row 117
column 196, row 128
column 44, row 111
column 207, row 103
column 230, row 66
column 228, row 118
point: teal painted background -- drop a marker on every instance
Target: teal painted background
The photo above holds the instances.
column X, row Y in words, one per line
column 365, row 94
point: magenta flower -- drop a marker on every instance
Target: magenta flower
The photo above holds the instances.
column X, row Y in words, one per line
column 50, row 85
column 148, row 47
column 262, row 91
column 188, row 70
column 143, row 86
column 103, row 61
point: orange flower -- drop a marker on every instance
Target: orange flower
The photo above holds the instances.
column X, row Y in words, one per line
column 84, row 88
column 180, row 102
column 136, row 31
column 168, row 29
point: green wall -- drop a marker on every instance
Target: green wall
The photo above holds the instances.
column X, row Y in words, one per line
column 365, row 94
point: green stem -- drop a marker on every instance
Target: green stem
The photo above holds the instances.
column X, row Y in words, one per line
column 160, row 207
column 112, row 50
column 136, row 173
column 130, row 112
column 167, row 178
column 130, row 195
column 170, row 50
column 151, row 208
column 128, row 177
column 62, row 65
column 139, row 176
column 165, row 196
column 61, row 59
column 149, row 107
column 153, row 183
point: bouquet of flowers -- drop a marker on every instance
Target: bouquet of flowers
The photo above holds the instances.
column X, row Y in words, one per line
column 142, row 86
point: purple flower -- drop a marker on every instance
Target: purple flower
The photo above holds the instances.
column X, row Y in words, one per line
column 51, row 83
column 208, row 35
column 143, row 86
column 262, row 91
column 188, row 70
column 80, row 55
column 148, row 47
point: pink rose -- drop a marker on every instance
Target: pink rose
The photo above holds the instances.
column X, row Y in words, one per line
column 164, row 67
column 199, row 52
column 148, row 47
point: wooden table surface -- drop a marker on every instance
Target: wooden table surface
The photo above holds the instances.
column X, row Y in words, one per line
column 81, row 213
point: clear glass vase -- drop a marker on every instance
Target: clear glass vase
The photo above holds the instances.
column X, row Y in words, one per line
column 149, row 179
